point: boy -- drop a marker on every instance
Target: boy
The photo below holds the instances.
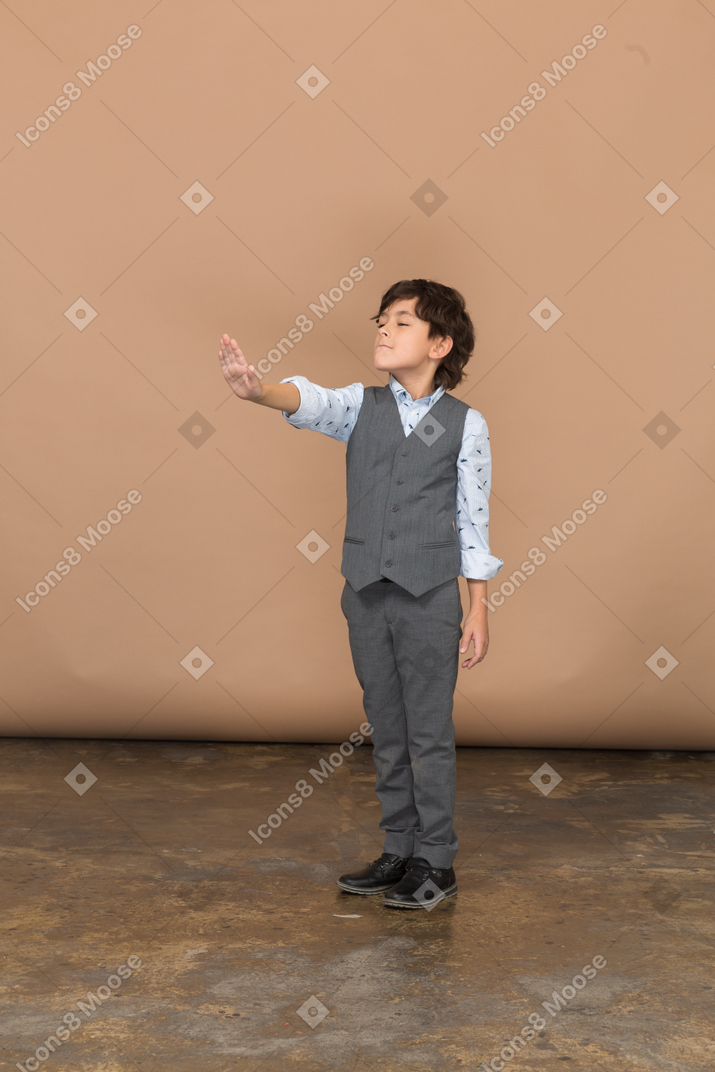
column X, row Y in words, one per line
column 417, row 461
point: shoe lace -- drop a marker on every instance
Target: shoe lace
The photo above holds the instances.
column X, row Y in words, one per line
column 384, row 861
column 422, row 868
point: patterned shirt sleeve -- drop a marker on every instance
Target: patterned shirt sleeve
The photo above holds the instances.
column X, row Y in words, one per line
column 474, row 467
column 330, row 410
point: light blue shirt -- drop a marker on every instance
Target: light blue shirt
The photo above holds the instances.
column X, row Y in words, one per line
column 334, row 412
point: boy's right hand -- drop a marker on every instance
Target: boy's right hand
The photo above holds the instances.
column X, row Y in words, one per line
column 239, row 375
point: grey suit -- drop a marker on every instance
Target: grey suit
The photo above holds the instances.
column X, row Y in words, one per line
column 401, row 601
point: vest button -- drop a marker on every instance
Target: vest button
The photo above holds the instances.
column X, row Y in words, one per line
column 394, row 508
column 390, row 535
column 404, row 453
column 388, row 562
column 399, row 481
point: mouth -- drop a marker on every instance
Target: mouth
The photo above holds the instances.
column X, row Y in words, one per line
column 385, row 345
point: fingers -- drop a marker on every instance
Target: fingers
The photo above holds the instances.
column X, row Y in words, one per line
column 230, row 349
column 480, row 649
column 230, row 356
column 225, row 353
column 237, row 372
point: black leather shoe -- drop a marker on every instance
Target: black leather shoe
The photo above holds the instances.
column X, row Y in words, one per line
column 423, row 886
column 382, row 874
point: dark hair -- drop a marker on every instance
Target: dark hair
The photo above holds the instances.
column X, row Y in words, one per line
column 445, row 310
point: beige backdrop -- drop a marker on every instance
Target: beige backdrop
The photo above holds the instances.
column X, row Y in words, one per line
column 224, row 164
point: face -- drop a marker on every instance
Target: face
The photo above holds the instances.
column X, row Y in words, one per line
column 402, row 342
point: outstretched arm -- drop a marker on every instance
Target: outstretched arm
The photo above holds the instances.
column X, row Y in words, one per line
column 241, row 378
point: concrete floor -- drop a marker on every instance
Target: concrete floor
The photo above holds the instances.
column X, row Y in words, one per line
column 154, row 861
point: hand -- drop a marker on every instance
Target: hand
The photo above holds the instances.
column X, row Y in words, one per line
column 475, row 628
column 240, row 376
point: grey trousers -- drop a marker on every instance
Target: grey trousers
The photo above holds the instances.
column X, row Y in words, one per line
column 405, row 651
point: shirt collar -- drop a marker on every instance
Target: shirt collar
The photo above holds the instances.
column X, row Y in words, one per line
column 401, row 392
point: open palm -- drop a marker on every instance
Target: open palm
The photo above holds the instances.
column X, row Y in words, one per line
column 239, row 375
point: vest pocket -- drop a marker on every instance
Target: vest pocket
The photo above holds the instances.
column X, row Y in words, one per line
column 352, row 539
column 441, row 543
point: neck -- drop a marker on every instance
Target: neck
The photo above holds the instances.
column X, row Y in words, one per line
column 416, row 384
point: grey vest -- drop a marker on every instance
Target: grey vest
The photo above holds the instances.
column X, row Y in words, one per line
column 402, row 493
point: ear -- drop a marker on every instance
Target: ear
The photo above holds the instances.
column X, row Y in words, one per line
column 442, row 348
